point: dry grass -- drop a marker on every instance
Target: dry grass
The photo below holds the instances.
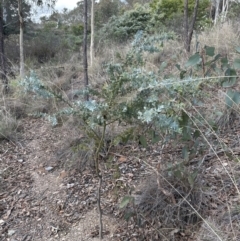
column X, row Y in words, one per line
column 172, row 53
column 8, row 122
column 226, row 227
column 223, row 37
column 108, row 54
column 76, row 150
column 205, row 233
column 171, row 201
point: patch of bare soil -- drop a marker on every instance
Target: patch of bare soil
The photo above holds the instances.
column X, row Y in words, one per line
column 42, row 199
column 35, row 202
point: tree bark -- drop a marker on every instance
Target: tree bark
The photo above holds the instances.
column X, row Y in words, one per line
column 92, row 34
column 85, row 61
column 194, row 18
column 5, row 86
column 224, row 10
column 188, row 30
column 186, row 44
column 217, row 2
column 21, row 39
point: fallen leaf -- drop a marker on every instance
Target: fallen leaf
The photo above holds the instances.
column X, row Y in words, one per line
column 175, row 231
column 63, row 174
column 41, row 170
column 122, row 159
column 6, row 216
column 214, row 205
column 130, row 174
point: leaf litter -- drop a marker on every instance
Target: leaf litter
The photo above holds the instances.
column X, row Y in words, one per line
column 40, row 199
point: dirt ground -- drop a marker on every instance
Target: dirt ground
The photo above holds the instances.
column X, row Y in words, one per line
column 38, row 201
column 42, row 199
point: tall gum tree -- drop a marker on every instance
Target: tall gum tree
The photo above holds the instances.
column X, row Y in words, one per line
column 11, row 18
column 189, row 27
column 92, row 34
column 20, row 15
column 5, row 86
column 219, row 10
column 85, row 60
column 49, row 3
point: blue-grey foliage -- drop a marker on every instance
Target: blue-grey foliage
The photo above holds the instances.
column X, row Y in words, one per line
column 132, row 94
column 33, row 84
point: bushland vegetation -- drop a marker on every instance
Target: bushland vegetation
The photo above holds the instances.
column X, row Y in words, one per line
column 176, row 106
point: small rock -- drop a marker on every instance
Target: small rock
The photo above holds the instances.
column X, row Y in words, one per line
column 69, row 185
column 11, row 232
column 48, row 168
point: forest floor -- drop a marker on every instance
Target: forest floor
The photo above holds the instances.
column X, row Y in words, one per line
column 39, row 198
column 43, row 196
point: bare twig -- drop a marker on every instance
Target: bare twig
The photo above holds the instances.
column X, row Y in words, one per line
column 99, row 206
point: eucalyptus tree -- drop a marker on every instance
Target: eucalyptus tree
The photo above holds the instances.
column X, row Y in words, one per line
column 85, row 60
column 188, row 27
column 11, row 18
column 219, row 10
column 105, row 9
column 48, row 3
column 10, row 14
column 92, row 33
column 2, row 55
column 20, row 14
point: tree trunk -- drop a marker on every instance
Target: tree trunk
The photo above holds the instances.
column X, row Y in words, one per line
column 223, row 6
column 217, row 2
column 194, row 18
column 5, row 86
column 224, row 10
column 92, row 34
column 186, row 44
column 85, row 61
column 188, row 30
column 21, row 39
